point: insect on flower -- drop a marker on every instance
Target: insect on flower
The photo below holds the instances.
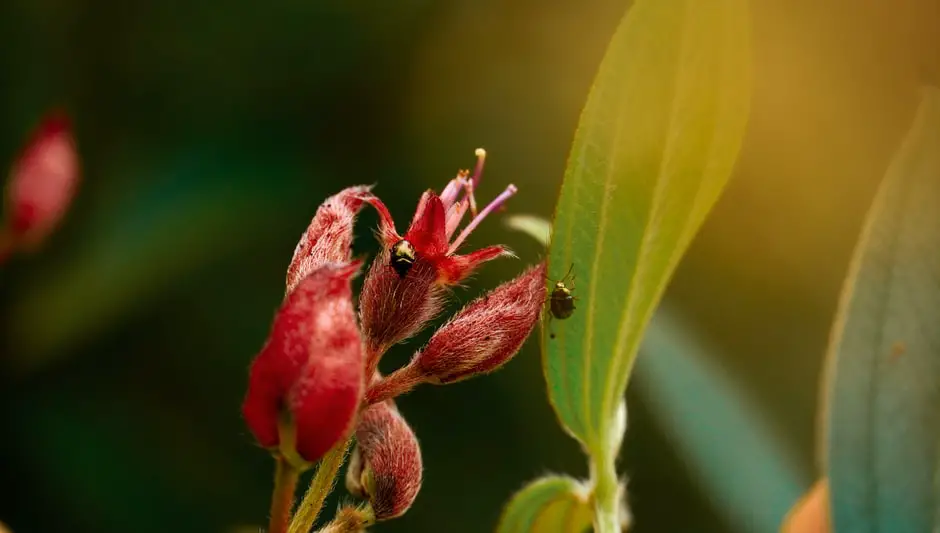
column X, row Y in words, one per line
column 405, row 286
column 403, row 257
column 431, row 237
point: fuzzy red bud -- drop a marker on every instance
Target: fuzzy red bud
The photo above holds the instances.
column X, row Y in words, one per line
column 42, row 181
column 306, row 384
column 386, row 465
column 329, row 236
column 485, row 334
column 394, row 308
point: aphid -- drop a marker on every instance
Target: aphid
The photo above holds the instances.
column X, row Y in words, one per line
column 403, row 257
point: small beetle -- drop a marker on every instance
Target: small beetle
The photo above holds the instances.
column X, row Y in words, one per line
column 403, row 257
column 562, row 301
column 562, row 298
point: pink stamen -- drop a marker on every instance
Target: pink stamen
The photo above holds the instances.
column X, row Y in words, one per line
column 452, row 191
column 495, row 204
column 454, row 216
column 478, row 170
column 471, row 198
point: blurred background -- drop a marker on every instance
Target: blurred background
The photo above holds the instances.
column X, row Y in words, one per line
column 209, row 133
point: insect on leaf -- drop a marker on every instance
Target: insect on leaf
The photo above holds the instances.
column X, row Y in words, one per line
column 656, row 143
column 553, row 504
column 883, row 377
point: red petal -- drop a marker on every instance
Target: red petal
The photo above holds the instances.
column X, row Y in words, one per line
column 311, row 366
column 44, row 179
column 324, row 403
column 486, row 333
column 428, row 231
column 387, row 232
column 453, row 269
column 265, row 398
column 329, row 236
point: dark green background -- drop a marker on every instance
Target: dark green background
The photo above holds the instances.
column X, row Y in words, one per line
column 209, row 133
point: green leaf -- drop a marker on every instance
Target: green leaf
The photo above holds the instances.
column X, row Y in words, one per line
column 883, row 377
column 553, row 504
column 534, row 226
column 656, row 144
column 698, row 404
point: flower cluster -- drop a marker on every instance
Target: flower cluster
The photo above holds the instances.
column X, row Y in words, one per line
column 41, row 185
column 316, row 383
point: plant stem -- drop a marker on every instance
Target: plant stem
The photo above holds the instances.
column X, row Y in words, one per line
column 350, row 520
column 320, row 487
column 606, row 495
column 373, row 354
column 395, row 384
column 282, row 497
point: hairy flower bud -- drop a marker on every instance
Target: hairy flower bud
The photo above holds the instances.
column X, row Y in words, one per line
column 485, row 334
column 306, row 384
column 329, row 236
column 386, row 463
column 393, row 308
column 42, row 181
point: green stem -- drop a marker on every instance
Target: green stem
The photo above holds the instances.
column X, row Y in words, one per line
column 350, row 520
column 282, row 497
column 606, row 495
column 320, row 487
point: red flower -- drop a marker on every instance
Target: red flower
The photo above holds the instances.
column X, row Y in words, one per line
column 402, row 291
column 436, row 220
column 42, row 182
column 306, row 384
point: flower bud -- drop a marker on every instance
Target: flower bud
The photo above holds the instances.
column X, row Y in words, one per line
column 394, row 308
column 386, row 463
column 329, row 236
column 42, row 181
column 305, row 386
column 485, row 334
